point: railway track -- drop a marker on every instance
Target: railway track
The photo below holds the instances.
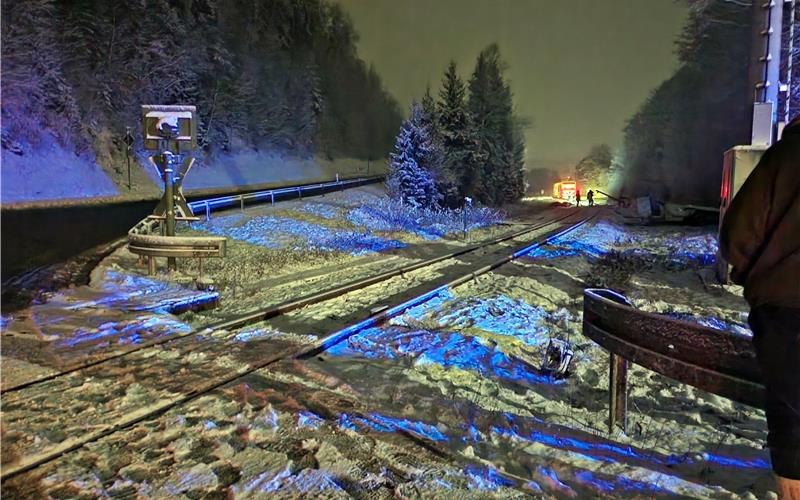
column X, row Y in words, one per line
column 266, row 313
column 215, row 377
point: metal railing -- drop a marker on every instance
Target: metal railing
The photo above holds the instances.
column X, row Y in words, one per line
column 223, row 202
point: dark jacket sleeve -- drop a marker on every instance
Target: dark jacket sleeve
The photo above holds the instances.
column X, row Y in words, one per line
column 744, row 226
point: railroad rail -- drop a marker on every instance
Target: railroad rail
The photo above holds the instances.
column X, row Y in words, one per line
column 320, row 345
column 722, row 363
column 241, row 200
column 270, row 312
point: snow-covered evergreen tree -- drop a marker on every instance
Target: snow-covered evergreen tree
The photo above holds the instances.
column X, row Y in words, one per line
column 499, row 139
column 460, row 159
column 414, row 162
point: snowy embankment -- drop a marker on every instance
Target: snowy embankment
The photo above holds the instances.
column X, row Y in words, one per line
column 48, row 171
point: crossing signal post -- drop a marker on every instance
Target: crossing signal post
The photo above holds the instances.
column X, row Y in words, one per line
column 171, row 132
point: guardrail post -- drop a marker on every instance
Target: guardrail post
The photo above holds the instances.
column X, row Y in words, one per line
column 300, row 193
column 272, row 196
column 151, row 265
column 241, row 203
column 208, row 212
column 618, row 393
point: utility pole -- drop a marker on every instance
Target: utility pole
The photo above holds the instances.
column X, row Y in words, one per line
column 768, row 24
column 787, row 85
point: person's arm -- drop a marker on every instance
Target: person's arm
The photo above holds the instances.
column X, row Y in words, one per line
column 744, row 226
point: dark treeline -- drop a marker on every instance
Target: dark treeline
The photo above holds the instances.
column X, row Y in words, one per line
column 282, row 75
column 468, row 143
column 675, row 142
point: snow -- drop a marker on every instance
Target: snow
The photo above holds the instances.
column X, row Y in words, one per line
column 430, row 224
column 280, row 232
column 458, row 371
column 29, row 176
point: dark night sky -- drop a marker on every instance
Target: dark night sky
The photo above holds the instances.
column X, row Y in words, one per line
column 578, row 68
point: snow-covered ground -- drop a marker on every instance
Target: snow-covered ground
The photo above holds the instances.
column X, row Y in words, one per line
column 445, row 401
column 28, row 175
column 27, row 170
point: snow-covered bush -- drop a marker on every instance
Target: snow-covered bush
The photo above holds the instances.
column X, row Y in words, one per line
column 430, row 223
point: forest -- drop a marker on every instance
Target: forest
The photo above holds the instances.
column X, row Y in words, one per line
column 466, row 146
column 674, row 143
column 278, row 75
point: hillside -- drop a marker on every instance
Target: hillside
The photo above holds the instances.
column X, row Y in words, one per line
column 276, row 78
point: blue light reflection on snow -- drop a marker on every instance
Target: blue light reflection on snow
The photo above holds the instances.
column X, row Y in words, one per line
column 309, row 420
column 127, row 332
column 485, row 478
column 609, row 451
column 430, row 224
column 384, row 423
column 419, row 428
column 482, row 478
column 552, row 476
column 278, row 232
column 445, row 349
column 613, row 484
column 346, row 422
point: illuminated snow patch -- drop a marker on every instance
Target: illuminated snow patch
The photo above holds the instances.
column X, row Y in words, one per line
column 444, row 349
column 309, row 420
column 384, row 423
column 420, row 428
column 310, row 483
column 280, row 232
column 611, row 452
column 753, row 463
column 485, row 478
column 269, row 419
column 615, row 484
column 473, row 434
column 595, row 240
column 346, row 422
column 432, row 304
column 127, row 332
column 503, row 315
column 318, row 209
column 140, row 293
column 266, row 482
column 558, row 249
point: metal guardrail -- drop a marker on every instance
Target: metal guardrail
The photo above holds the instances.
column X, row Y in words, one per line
column 722, row 363
column 220, row 203
column 143, row 242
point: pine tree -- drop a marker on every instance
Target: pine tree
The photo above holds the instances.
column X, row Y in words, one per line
column 412, row 165
column 460, row 159
column 430, row 113
column 500, row 142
